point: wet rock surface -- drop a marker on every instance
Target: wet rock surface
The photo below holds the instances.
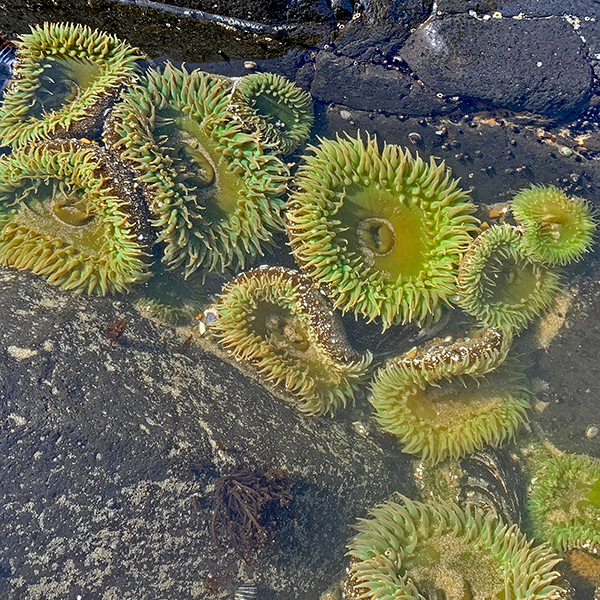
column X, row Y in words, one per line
column 532, row 65
column 110, row 451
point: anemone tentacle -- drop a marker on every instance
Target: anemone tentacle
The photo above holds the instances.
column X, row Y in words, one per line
column 556, row 229
column 281, row 111
column 500, row 285
column 69, row 214
column 214, row 193
column 408, row 550
column 275, row 321
column 381, row 231
column 564, row 510
column 65, row 77
column 451, row 397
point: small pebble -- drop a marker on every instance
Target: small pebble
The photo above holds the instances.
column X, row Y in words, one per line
column 346, row 115
column 591, row 432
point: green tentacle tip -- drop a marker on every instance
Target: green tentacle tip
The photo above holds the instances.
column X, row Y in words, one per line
column 214, row 193
column 452, row 397
column 500, row 285
column 281, row 111
column 564, row 502
column 382, row 232
column 408, row 550
column 70, row 215
column 273, row 320
column 65, row 77
column 556, row 229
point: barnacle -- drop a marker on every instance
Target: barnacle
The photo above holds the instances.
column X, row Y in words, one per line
column 274, row 320
column 556, row 229
column 282, row 112
column 412, row 551
column 65, row 77
column 381, row 231
column 215, row 195
column 71, row 215
column 561, row 502
column 425, row 400
column 500, row 285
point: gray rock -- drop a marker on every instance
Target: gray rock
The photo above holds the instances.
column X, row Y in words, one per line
column 521, row 65
column 109, row 452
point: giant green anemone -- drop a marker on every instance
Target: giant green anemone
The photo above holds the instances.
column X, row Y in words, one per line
column 556, row 229
column 65, row 77
column 411, row 551
column 381, row 231
column 71, row 215
column 500, row 285
column 275, row 321
column 425, row 400
column 215, row 195
column 563, row 502
column 282, row 112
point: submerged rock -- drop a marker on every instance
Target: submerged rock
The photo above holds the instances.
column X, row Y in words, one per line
column 110, row 449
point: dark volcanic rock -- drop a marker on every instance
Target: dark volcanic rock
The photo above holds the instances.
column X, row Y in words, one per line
column 371, row 87
column 522, row 65
column 108, row 454
column 167, row 30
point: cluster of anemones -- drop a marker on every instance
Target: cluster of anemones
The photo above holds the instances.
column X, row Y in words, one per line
column 109, row 163
column 112, row 166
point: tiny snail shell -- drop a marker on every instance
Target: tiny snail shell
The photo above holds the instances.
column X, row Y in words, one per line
column 247, row 591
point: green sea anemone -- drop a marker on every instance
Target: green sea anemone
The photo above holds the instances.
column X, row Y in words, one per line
column 71, row 215
column 562, row 504
column 500, row 285
column 411, row 551
column 215, row 195
column 425, row 400
column 275, row 321
column 556, row 229
column 65, row 77
column 382, row 232
column 282, row 112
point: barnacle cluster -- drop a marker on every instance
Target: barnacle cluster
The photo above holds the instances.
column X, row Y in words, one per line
column 275, row 321
column 411, row 550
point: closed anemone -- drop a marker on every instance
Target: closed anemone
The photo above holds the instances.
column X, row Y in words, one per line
column 214, row 194
column 277, row 107
column 69, row 214
column 65, row 77
column 556, row 229
column 272, row 320
column 412, row 551
column 381, row 231
column 499, row 283
column 450, row 398
column 563, row 503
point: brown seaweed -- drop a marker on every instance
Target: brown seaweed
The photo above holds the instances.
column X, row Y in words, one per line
column 246, row 508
